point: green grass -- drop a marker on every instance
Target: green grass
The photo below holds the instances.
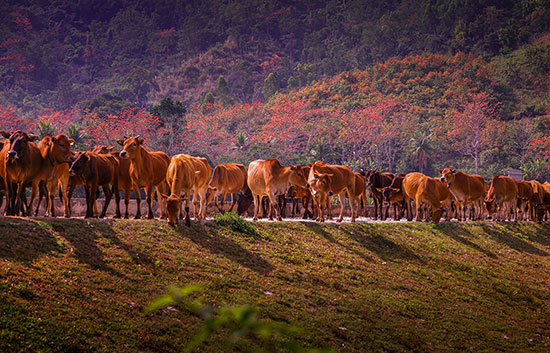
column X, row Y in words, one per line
column 77, row 285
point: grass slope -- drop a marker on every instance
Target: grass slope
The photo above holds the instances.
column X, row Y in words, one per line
column 77, row 285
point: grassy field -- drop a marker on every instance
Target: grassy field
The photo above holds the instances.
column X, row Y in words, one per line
column 78, row 285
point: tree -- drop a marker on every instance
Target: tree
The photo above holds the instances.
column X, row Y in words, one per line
column 420, row 149
column 76, row 132
column 171, row 115
column 45, row 128
column 222, row 90
column 270, row 86
column 209, row 98
column 472, row 125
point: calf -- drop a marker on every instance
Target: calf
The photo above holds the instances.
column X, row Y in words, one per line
column 228, row 178
column 377, row 180
column 97, row 170
column 393, row 195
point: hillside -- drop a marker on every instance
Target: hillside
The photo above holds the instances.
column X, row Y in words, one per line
column 78, row 285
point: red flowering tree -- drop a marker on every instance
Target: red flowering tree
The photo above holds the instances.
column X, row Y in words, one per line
column 472, row 125
column 11, row 120
column 377, row 132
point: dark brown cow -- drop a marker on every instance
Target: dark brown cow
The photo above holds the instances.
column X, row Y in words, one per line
column 466, row 189
column 540, row 197
column 228, row 178
column 97, row 170
column 502, row 198
column 147, row 170
column 340, row 180
column 124, row 180
column 377, row 180
column 269, row 178
column 20, row 164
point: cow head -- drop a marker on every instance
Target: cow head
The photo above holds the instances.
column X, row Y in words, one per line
column 371, row 176
column 391, row 195
column 18, row 143
column 172, row 208
column 131, row 147
column 244, row 201
column 436, row 215
column 490, row 206
column 78, row 164
column 447, row 175
column 298, row 176
column 100, row 149
column 321, row 183
column 60, row 148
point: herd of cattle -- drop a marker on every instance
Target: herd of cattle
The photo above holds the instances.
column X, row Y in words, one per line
column 51, row 164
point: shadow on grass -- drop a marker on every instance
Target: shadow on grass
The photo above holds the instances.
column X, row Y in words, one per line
column 318, row 229
column 503, row 234
column 218, row 243
column 372, row 237
column 82, row 235
column 22, row 240
column 456, row 232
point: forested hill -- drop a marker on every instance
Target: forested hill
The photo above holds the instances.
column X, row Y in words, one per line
column 64, row 54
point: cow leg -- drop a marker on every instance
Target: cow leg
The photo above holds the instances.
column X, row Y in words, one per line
column 233, row 201
column 222, row 201
column 138, row 201
column 35, row 185
column 257, row 206
column 149, row 192
column 89, row 200
column 216, row 194
column 51, row 189
column 70, row 191
column 116, row 192
column 62, row 185
column 273, row 205
column 187, row 215
column 342, row 198
column 127, row 192
column 42, row 193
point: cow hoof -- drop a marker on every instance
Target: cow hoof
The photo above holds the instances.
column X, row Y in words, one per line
column 137, row 217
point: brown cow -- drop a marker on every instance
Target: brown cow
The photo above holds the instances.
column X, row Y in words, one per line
column 466, row 189
column 298, row 193
column 393, row 195
column 341, row 181
column 320, row 187
column 525, row 201
column 147, row 170
column 377, row 180
column 502, row 198
column 269, row 178
column 56, row 152
column 228, row 178
column 185, row 174
column 540, row 197
column 21, row 163
column 97, row 170
column 124, row 180
column 360, row 193
column 424, row 191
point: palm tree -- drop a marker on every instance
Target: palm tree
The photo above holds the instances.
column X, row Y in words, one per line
column 420, row 149
column 75, row 132
column 45, row 128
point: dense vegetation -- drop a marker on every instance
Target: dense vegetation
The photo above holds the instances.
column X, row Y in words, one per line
column 77, row 285
column 402, row 85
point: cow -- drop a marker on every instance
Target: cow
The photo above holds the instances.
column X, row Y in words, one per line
column 501, row 199
column 297, row 193
column 377, row 180
column 184, row 175
column 320, row 186
column 147, row 170
column 269, row 178
column 97, row 170
column 525, row 200
column 228, row 178
column 340, row 181
column 393, row 195
column 124, row 180
column 466, row 189
column 540, row 196
column 56, row 152
column 424, row 191
column 20, row 164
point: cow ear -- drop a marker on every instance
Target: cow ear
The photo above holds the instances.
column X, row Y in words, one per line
column 120, row 142
column 379, row 189
column 32, row 138
column 53, row 139
column 316, row 176
column 5, row 134
column 71, row 142
column 110, row 148
column 140, row 140
column 440, row 171
column 453, row 171
column 292, row 168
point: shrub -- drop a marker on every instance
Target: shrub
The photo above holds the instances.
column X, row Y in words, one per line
column 238, row 224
